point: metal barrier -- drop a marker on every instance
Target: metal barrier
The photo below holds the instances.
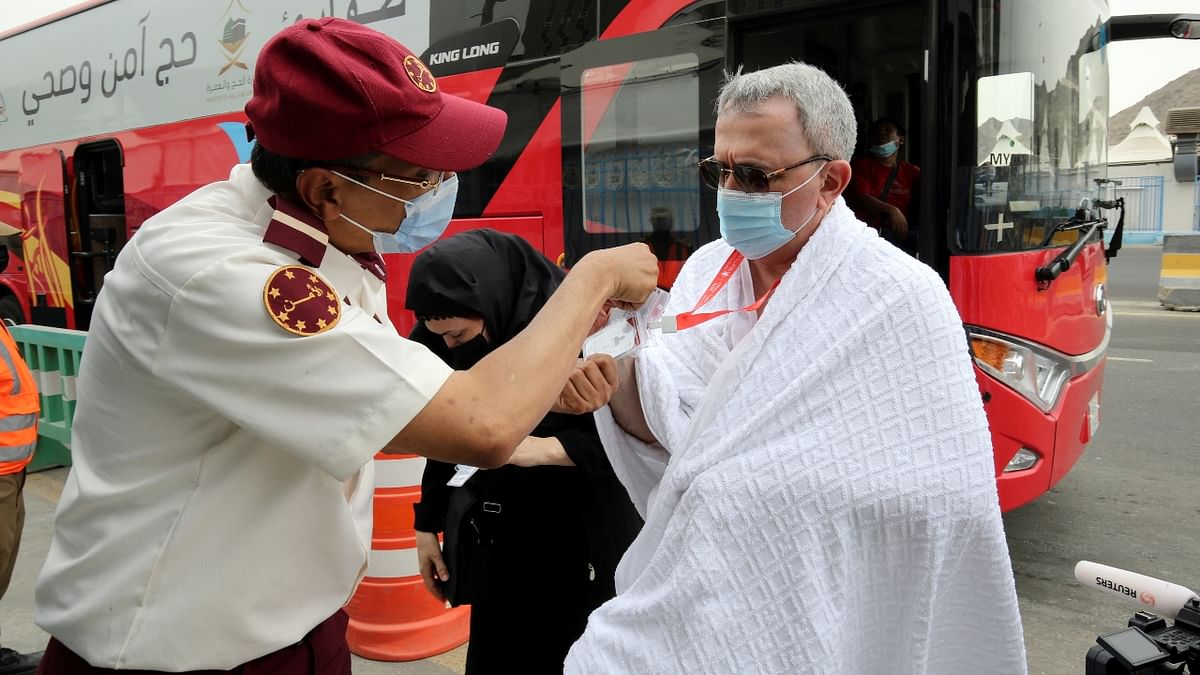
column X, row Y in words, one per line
column 1179, row 283
column 53, row 356
column 1143, row 208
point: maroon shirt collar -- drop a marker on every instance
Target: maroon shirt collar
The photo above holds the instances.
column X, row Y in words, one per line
column 371, row 262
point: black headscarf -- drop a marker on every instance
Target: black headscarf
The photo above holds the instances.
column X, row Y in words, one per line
column 486, row 274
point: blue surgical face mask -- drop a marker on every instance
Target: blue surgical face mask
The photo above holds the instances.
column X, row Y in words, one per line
column 886, row 150
column 426, row 218
column 752, row 222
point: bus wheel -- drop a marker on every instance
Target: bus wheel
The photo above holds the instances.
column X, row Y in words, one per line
column 10, row 310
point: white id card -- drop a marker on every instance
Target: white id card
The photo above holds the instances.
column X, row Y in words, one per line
column 627, row 331
column 462, row 473
column 618, row 337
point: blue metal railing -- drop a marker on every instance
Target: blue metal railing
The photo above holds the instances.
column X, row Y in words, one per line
column 53, row 357
column 1196, row 205
column 1143, row 207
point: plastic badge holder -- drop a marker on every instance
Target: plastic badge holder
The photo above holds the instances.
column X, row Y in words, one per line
column 628, row 330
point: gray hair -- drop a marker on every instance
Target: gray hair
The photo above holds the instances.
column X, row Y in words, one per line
column 822, row 107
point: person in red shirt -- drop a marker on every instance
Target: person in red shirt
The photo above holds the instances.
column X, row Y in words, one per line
column 882, row 186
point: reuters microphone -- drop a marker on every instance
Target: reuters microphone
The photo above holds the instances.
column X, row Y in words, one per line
column 1162, row 597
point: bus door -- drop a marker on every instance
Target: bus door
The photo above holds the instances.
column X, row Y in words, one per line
column 880, row 53
column 45, row 238
column 637, row 115
column 100, row 204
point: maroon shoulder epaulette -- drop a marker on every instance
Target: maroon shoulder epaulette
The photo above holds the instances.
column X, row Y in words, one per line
column 295, row 229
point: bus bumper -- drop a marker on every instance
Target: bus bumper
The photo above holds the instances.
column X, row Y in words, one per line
column 1058, row 438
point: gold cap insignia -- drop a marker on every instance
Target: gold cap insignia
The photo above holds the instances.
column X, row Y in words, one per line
column 300, row 301
column 419, row 73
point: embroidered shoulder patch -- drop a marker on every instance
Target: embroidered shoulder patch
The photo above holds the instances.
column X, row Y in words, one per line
column 300, row 301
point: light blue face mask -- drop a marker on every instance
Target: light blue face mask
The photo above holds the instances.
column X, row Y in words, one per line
column 427, row 217
column 886, row 150
column 752, row 222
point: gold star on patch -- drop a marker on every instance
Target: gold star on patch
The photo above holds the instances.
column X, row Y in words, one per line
column 300, row 301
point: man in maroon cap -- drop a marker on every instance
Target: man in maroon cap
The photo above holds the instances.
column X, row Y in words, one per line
column 241, row 372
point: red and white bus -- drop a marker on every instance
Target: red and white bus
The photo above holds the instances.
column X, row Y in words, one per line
column 114, row 109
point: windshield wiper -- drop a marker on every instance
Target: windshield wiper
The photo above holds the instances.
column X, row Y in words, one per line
column 1075, row 223
column 1062, row 263
column 1083, row 220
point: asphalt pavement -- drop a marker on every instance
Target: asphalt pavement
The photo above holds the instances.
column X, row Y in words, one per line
column 1130, row 500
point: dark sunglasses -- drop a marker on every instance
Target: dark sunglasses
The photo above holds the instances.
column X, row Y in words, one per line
column 713, row 172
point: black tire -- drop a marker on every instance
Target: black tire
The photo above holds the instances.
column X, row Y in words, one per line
column 10, row 310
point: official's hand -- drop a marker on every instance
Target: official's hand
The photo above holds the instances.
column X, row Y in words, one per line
column 591, row 384
column 632, row 271
column 429, row 560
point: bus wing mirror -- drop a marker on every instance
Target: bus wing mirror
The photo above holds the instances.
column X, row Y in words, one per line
column 1186, row 28
column 1145, row 26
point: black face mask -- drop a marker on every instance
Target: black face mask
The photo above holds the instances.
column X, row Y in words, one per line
column 469, row 353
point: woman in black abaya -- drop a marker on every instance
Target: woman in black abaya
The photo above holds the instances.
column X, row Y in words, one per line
column 538, row 540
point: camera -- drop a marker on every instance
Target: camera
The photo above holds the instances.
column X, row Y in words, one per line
column 1149, row 645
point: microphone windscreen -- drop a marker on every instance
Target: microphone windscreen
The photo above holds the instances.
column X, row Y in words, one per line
column 1155, row 595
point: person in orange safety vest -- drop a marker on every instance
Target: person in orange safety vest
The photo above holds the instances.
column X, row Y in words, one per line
column 19, row 408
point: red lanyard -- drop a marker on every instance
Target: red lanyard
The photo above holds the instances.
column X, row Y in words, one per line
column 671, row 324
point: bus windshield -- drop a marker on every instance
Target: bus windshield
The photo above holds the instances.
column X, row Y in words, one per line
column 1040, row 114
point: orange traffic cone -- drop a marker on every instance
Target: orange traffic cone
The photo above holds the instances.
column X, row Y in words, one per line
column 392, row 616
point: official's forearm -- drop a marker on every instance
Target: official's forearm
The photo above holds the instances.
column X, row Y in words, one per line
column 479, row 416
column 530, row 369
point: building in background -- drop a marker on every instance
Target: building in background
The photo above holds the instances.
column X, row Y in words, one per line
column 1159, row 197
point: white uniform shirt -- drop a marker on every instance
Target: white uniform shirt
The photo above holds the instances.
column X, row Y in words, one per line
column 219, row 506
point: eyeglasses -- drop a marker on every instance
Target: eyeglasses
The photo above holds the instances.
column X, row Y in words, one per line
column 423, row 183
column 713, row 173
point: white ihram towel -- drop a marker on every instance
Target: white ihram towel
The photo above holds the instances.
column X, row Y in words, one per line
column 829, row 504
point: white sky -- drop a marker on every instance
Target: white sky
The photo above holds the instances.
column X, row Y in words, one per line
column 14, row 13
column 1136, row 69
column 1139, row 67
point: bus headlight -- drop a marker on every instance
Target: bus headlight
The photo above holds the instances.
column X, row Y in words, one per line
column 1036, row 373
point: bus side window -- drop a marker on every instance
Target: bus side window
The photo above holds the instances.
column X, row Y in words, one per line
column 637, row 116
column 638, row 156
